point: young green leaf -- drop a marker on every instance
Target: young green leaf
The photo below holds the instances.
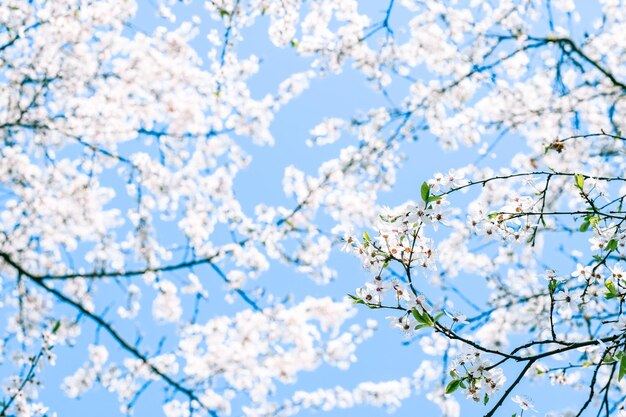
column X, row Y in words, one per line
column 425, row 191
column 57, row 326
column 585, row 226
column 356, row 300
column 612, row 291
column 437, row 317
column 453, row 386
column 552, row 285
column 366, row 239
column 422, row 318
column 579, row 181
column 622, row 368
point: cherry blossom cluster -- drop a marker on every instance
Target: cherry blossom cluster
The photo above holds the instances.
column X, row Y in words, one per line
column 476, row 376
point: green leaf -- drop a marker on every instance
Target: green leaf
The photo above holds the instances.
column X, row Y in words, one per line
column 585, row 226
column 612, row 290
column 294, row 43
column 486, row 399
column 356, row 299
column 453, row 386
column 622, row 368
column 224, row 12
column 612, row 245
column 57, row 326
column 422, row 318
column 366, row 239
column 425, row 191
column 609, row 296
column 609, row 359
column 552, row 285
column 579, row 181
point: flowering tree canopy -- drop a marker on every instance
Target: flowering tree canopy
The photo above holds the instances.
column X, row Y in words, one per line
column 124, row 221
